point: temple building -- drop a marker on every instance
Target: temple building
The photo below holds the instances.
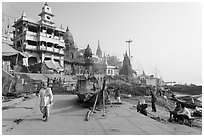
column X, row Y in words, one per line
column 49, row 49
column 42, row 41
column 105, row 65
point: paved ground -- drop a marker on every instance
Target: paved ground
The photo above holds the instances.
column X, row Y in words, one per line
column 67, row 118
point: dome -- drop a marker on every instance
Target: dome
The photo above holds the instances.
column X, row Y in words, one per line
column 68, row 38
column 88, row 51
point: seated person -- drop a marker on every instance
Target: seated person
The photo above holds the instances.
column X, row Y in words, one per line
column 184, row 113
column 94, row 87
column 174, row 112
column 141, row 107
column 173, row 95
column 197, row 112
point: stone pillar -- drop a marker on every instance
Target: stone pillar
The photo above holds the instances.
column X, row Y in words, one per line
column 52, row 57
column 43, row 57
column 62, row 61
column 38, row 59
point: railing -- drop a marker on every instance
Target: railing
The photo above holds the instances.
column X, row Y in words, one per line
column 56, row 37
column 56, row 57
column 31, row 33
column 42, row 34
column 56, row 50
column 42, row 48
column 61, row 44
column 51, row 40
column 31, row 37
column 31, row 47
column 49, row 49
column 61, row 51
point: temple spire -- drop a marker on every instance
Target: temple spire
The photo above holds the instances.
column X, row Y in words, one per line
column 98, row 51
column 67, row 28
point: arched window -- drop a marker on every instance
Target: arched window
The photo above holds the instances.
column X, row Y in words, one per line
column 72, row 55
column 32, row 61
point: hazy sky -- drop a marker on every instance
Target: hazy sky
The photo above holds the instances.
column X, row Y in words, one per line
column 166, row 36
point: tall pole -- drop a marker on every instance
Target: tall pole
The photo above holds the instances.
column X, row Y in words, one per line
column 129, row 41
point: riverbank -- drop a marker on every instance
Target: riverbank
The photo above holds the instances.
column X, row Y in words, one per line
column 67, row 118
column 162, row 114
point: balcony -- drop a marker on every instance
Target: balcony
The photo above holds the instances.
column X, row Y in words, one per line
column 56, row 57
column 42, row 34
column 47, row 39
column 31, row 33
column 31, row 47
column 56, row 37
column 50, row 49
column 31, row 37
column 50, row 36
column 61, row 52
column 61, row 39
column 61, row 44
column 55, row 40
column 42, row 48
column 56, row 50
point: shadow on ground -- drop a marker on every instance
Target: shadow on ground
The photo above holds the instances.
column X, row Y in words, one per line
column 61, row 104
column 67, row 105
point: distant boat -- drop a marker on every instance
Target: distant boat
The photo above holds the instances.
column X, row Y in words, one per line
column 190, row 101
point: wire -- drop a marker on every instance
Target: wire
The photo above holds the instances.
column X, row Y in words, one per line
column 9, row 16
column 15, row 8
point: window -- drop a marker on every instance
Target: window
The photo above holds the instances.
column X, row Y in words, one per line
column 47, row 58
column 72, row 55
column 48, row 17
column 108, row 71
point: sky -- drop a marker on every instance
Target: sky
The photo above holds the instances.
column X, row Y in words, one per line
column 166, row 36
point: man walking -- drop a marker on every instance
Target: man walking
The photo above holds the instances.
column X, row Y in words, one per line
column 46, row 98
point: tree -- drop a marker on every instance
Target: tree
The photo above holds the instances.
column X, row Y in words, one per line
column 113, row 61
column 126, row 69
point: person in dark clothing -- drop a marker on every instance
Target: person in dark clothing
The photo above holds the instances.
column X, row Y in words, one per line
column 173, row 95
column 173, row 114
column 163, row 93
column 184, row 113
column 153, row 100
column 160, row 92
column 117, row 94
column 94, row 87
column 141, row 107
column 64, row 81
column 55, row 80
column 48, row 81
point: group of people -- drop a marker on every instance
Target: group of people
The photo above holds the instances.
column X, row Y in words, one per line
column 179, row 113
column 58, row 81
column 116, row 93
column 142, row 106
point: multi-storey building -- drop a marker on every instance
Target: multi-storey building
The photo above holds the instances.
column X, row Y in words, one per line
column 41, row 40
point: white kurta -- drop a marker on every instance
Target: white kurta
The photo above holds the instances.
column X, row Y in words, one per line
column 185, row 111
column 46, row 97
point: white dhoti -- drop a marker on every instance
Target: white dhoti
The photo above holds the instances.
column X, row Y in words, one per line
column 118, row 99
